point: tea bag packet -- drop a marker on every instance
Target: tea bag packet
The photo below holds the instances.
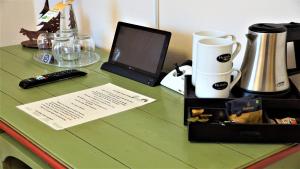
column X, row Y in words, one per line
column 207, row 115
column 245, row 110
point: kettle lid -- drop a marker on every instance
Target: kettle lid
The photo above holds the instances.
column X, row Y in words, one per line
column 268, row 28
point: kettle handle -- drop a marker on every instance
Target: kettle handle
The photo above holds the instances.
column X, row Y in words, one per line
column 293, row 31
column 293, row 35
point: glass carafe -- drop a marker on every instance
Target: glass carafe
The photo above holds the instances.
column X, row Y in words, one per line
column 67, row 18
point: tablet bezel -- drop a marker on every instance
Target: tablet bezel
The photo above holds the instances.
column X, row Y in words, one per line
column 132, row 67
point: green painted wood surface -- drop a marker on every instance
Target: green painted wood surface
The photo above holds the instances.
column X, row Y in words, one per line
column 11, row 148
column 152, row 136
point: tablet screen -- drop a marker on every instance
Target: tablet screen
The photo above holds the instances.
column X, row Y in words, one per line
column 140, row 47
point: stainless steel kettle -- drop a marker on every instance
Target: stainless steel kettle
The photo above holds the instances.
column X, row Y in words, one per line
column 264, row 67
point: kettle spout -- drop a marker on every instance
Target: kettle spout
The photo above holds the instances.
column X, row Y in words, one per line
column 251, row 37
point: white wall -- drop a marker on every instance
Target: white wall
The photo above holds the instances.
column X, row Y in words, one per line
column 181, row 17
column 99, row 17
column 102, row 16
column 15, row 14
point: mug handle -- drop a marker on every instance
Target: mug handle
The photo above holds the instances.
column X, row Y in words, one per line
column 237, row 49
column 233, row 38
column 238, row 45
column 236, row 79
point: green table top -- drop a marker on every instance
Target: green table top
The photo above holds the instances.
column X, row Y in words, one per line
column 151, row 136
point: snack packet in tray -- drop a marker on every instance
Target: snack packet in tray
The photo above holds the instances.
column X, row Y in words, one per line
column 247, row 110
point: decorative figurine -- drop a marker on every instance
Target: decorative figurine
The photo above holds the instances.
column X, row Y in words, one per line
column 51, row 26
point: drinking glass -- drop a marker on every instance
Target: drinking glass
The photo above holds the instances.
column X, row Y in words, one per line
column 63, row 49
column 44, row 41
column 44, row 44
column 85, row 45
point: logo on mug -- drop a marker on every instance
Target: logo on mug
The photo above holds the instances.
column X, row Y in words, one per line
column 224, row 58
column 220, row 85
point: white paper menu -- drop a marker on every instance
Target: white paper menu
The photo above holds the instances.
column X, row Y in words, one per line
column 83, row 106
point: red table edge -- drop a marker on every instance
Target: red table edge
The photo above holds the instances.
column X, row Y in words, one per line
column 274, row 157
column 32, row 147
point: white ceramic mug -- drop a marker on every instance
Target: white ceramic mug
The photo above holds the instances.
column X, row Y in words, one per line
column 215, row 85
column 215, row 55
column 201, row 35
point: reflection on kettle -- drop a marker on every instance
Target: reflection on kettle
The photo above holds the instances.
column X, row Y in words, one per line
column 264, row 68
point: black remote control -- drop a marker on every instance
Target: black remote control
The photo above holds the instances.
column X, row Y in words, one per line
column 51, row 77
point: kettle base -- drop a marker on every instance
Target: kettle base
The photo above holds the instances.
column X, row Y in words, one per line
column 240, row 92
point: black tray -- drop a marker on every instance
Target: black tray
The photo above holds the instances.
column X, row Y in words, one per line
column 284, row 105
